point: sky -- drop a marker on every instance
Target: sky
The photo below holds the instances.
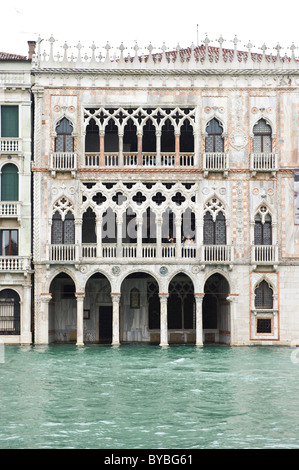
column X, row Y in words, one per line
column 154, row 21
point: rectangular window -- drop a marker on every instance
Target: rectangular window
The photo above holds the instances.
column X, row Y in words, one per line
column 264, row 326
column 9, row 121
column 8, row 242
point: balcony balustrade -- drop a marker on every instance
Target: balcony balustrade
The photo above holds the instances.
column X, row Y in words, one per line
column 10, row 209
column 263, row 162
column 9, row 145
column 14, row 263
column 217, row 254
column 63, row 161
column 264, row 254
column 215, row 162
column 132, row 159
column 63, row 253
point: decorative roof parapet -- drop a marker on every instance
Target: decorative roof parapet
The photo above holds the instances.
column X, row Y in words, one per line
column 193, row 59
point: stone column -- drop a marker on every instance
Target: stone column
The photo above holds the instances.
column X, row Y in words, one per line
column 199, row 328
column 178, row 235
column 80, row 306
column 177, row 149
column 163, row 320
column 99, row 225
column 139, row 223
column 233, row 299
column 158, row 147
column 139, row 149
column 102, row 149
column 26, row 336
column 42, row 330
column 120, row 149
column 119, row 235
column 159, row 237
column 115, row 318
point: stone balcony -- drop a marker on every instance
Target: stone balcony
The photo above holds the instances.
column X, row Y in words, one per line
column 263, row 162
column 148, row 253
column 14, row 264
column 264, row 255
column 135, row 160
column 10, row 209
column 10, row 145
column 215, row 162
column 63, row 162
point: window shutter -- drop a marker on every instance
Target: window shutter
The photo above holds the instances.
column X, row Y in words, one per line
column 9, row 183
column 9, row 121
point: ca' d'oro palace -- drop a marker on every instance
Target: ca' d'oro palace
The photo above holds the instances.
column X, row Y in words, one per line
column 149, row 195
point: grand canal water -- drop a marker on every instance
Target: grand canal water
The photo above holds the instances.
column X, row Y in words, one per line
column 147, row 397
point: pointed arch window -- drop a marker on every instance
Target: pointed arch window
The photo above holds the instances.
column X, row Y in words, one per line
column 9, row 183
column 263, row 227
column 64, row 141
column 63, row 223
column 262, row 137
column 214, row 140
column 263, row 296
column 214, row 228
column 89, row 227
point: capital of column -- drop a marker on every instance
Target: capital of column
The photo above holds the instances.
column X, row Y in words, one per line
column 199, row 296
column 115, row 296
column 163, row 296
column 232, row 297
column 80, row 295
column 45, row 297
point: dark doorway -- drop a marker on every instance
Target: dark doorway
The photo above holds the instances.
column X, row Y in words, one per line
column 216, row 310
column 105, row 324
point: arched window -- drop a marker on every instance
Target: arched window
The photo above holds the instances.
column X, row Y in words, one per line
column 167, row 137
column 264, row 296
column 89, row 227
column 9, row 312
column 130, row 137
column 111, row 140
column 63, row 229
column 262, row 137
column 214, row 228
column 9, row 183
column 214, row 140
column 64, row 141
column 149, row 137
column 187, row 137
column 263, row 227
column 92, row 137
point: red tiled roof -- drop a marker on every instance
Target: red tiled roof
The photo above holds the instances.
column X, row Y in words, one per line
column 6, row 56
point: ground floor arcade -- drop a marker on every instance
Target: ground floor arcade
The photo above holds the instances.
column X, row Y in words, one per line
column 144, row 308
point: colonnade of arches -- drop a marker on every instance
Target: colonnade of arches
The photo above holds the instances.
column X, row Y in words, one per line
column 139, row 312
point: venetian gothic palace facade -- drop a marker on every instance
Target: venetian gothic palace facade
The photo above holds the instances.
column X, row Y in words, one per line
column 163, row 196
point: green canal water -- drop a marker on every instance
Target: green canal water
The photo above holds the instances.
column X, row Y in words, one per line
column 148, row 397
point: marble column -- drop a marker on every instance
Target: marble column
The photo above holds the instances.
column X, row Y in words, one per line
column 102, row 149
column 120, row 149
column 119, row 222
column 99, row 225
column 233, row 299
column 115, row 318
column 163, row 320
column 80, row 307
column 158, row 147
column 139, row 223
column 42, row 327
column 26, row 336
column 199, row 328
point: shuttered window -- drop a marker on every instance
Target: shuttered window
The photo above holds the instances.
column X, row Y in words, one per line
column 263, row 231
column 214, row 140
column 214, row 231
column 9, row 183
column 63, row 231
column 64, row 141
column 263, row 296
column 262, row 137
column 9, row 121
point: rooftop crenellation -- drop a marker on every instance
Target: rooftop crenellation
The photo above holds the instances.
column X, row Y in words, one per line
column 50, row 54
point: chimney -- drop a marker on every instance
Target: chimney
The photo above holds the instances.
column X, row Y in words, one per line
column 31, row 49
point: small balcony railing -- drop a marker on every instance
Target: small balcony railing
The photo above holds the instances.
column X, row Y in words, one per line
column 63, row 253
column 9, row 145
column 63, row 161
column 264, row 254
column 10, row 209
column 217, row 254
column 14, row 263
column 215, row 162
column 263, row 162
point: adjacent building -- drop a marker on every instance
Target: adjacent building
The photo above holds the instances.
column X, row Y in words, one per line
column 15, row 203
column 163, row 196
